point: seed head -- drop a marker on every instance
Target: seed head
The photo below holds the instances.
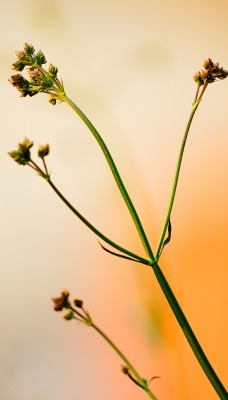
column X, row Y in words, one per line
column 22, row 154
column 62, row 301
column 78, row 303
column 210, row 74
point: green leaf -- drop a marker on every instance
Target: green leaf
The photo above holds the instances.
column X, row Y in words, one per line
column 167, row 240
column 117, row 254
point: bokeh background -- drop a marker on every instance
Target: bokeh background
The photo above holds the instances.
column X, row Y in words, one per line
column 129, row 66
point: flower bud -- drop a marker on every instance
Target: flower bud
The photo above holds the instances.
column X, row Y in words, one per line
column 69, row 315
column 78, row 303
column 53, row 71
column 43, row 151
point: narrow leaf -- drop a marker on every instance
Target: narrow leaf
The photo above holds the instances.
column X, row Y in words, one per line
column 117, row 254
column 167, row 240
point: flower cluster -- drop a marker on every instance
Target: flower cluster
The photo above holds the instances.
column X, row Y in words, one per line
column 40, row 80
column 23, row 156
column 211, row 73
column 77, row 311
column 28, row 58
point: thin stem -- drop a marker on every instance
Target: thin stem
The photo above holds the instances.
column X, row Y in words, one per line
column 175, row 182
column 189, row 334
column 203, row 90
column 182, row 320
column 116, row 175
column 45, row 165
column 196, row 95
column 36, row 167
column 93, row 229
column 142, row 383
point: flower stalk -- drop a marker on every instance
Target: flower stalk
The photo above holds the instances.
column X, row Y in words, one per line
column 79, row 313
column 175, row 182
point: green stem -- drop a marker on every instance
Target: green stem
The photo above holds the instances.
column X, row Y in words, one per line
column 116, row 175
column 175, row 182
column 189, row 334
column 93, row 229
column 142, row 383
column 182, row 320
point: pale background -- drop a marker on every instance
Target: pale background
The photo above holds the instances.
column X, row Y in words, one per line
column 129, row 66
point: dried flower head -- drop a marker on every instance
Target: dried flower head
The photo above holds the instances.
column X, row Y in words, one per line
column 22, row 85
column 210, row 74
column 62, row 301
column 22, row 154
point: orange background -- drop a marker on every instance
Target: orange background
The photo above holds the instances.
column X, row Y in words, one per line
column 129, row 66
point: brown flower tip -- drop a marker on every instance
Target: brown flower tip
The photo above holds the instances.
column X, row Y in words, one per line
column 124, row 369
column 62, row 301
column 78, row 303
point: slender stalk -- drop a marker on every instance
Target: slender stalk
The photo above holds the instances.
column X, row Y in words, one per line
column 142, row 383
column 84, row 317
column 182, row 320
column 175, row 182
column 116, row 175
column 189, row 334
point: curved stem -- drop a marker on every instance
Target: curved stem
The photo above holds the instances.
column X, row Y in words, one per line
column 189, row 334
column 93, row 229
column 142, row 383
column 116, row 175
column 175, row 182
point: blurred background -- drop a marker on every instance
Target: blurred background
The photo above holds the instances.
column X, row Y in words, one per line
column 129, row 66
